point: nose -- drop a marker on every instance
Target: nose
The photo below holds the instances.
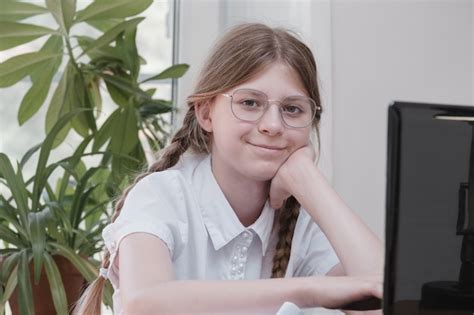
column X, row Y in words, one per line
column 271, row 122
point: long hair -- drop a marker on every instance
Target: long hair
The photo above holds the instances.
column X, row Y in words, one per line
column 239, row 55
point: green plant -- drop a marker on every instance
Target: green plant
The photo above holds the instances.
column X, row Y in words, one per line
column 39, row 220
column 110, row 60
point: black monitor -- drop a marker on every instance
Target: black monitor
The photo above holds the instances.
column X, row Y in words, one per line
column 429, row 258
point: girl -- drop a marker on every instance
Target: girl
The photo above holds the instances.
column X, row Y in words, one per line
column 236, row 195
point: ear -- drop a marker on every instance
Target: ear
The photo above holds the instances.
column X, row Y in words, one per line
column 203, row 115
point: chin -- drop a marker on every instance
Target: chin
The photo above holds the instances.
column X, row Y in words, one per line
column 264, row 172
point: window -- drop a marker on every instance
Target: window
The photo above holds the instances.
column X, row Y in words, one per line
column 154, row 42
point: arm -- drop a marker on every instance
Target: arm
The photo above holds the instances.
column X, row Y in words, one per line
column 358, row 248
column 147, row 286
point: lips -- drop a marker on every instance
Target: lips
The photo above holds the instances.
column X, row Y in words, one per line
column 269, row 147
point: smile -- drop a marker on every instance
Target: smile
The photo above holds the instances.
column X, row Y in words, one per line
column 267, row 148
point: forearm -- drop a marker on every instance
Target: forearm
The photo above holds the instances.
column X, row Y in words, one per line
column 358, row 248
column 217, row 297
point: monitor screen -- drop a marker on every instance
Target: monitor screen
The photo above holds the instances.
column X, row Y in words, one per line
column 428, row 165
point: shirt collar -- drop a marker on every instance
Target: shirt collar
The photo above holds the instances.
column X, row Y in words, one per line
column 220, row 220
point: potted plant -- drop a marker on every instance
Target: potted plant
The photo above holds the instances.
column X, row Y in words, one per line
column 41, row 220
column 110, row 60
column 49, row 224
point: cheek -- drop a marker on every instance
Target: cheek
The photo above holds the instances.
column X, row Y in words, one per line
column 300, row 138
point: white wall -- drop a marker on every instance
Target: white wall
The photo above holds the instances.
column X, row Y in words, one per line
column 369, row 53
column 385, row 51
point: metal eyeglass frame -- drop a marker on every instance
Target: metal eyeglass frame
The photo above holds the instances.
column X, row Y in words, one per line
column 267, row 105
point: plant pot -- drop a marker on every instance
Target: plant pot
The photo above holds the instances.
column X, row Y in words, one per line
column 73, row 283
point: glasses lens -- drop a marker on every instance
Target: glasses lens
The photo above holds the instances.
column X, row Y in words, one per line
column 298, row 111
column 248, row 105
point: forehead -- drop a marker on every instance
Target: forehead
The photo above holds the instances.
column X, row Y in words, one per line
column 277, row 80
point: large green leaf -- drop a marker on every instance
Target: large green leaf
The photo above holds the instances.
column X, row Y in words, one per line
column 41, row 78
column 120, row 96
column 105, row 132
column 18, row 67
column 59, row 105
column 80, row 196
column 93, row 86
column 16, row 186
column 173, row 72
column 8, row 265
column 111, row 34
column 26, row 157
column 105, row 52
column 54, row 228
column 100, row 10
column 61, row 220
column 93, row 215
column 11, row 10
column 13, row 34
column 9, row 213
column 9, row 288
column 25, row 292
column 63, row 12
column 126, row 44
column 125, row 164
column 153, row 107
column 38, row 221
column 104, row 25
column 88, row 270
column 126, row 86
column 41, row 176
column 75, row 159
column 11, row 237
column 79, row 99
column 125, row 131
column 55, row 284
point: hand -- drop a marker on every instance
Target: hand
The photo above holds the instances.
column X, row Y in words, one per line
column 338, row 292
column 284, row 180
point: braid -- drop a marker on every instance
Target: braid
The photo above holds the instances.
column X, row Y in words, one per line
column 287, row 216
column 170, row 155
column 189, row 135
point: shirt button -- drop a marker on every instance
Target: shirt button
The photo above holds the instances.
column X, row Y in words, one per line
column 244, row 249
column 235, row 258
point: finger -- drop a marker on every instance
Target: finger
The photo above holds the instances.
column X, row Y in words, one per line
column 276, row 203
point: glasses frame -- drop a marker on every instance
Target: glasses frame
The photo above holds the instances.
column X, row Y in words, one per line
column 316, row 107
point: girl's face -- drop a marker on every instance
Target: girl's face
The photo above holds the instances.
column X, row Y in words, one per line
column 255, row 150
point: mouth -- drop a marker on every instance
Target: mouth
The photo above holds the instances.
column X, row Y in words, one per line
column 267, row 147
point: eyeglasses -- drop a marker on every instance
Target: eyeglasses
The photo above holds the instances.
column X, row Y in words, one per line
column 250, row 105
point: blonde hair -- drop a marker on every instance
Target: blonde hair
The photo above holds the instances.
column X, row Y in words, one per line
column 239, row 55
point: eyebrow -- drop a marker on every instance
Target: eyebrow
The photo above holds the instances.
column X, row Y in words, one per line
column 255, row 91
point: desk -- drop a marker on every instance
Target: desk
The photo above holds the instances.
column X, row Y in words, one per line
column 412, row 308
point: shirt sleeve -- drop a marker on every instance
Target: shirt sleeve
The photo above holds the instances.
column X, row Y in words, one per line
column 155, row 206
column 316, row 256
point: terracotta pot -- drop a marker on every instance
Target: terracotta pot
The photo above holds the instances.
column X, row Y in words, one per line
column 73, row 283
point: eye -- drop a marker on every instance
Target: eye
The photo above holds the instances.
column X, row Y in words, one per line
column 250, row 102
column 292, row 109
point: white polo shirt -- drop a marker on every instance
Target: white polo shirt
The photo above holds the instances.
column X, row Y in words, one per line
column 185, row 207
